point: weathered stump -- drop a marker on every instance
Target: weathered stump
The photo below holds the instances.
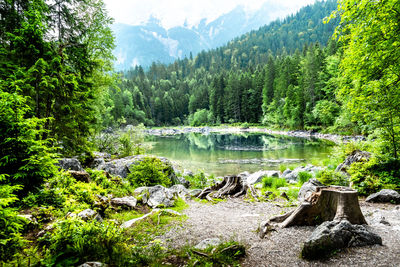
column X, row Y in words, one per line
column 326, row 204
column 230, row 186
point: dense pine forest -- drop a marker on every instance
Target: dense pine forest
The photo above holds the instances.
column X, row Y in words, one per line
column 282, row 74
column 76, row 183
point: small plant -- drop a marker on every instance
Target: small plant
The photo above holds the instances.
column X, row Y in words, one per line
column 330, row 177
column 131, row 142
column 304, row 177
column 274, row 183
column 198, row 181
column 150, row 171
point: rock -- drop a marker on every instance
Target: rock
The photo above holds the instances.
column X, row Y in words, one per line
column 335, row 235
column 384, row 196
column 267, row 194
column 286, row 172
column 133, row 222
column 90, row 214
column 70, row 164
column 182, row 181
column 308, row 188
column 355, row 156
column 124, row 202
column 81, row 176
column 180, row 190
column 103, row 155
column 29, row 218
column 284, row 195
column 258, row 176
column 187, row 173
column 195, row 192
column 209, row 242
column 47, row 229
column 97, row 162
column 155, row 196
column 93, row 264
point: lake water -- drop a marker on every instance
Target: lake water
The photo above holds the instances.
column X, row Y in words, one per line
column 224, row 154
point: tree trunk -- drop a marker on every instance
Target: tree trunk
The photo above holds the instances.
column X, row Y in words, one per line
column 326, row 204
column 234, row 186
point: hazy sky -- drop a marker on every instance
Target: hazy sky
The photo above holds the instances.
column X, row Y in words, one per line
column 174, row 12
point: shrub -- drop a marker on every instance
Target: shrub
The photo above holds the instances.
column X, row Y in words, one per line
column 272, row 182
column 26, row 155
column 199, row 180
column 10, row 223
column 374, row 175
column 75, row 241
column 304, row 177
column 150, row 171
column 131, row 141
column 330, row 177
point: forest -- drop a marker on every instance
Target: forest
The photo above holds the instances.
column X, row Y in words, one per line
column 333, row 67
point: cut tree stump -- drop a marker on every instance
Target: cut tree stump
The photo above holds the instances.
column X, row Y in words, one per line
column 230, row 186
column 325, row 204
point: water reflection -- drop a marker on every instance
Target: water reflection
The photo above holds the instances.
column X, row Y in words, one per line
column 224, row 154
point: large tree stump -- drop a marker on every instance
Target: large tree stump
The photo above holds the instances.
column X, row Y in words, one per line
column 230, row 186
column 326, row 204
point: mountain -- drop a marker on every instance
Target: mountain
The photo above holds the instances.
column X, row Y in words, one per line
column 150, row 42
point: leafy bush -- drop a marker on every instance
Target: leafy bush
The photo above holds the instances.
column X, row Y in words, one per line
column 26, row 155
column 374, row 175
column 10, row 223
column 131, row 141
column 198, row 181
column 304, row 177
column 75, row 241
column 150, row 171
column 330, row 177
column 201, row 117
column 272, row 182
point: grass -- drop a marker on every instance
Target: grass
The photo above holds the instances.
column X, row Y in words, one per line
column 225, row 254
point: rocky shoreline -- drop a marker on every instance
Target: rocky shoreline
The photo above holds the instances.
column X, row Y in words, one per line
column 235, row 130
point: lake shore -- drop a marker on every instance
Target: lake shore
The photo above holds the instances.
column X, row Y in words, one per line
column 338, row 139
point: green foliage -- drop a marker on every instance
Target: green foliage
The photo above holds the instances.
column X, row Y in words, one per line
column 374, row 175
column 304, row 177
column 150, row 171
column 11, row 225
column 331, row 177
column 225, row 254
column 131, row 141
column 273, row 182
column 370, row 66
column 26, row 155
column 201, row 118
column 198, row 181
column 75, row 241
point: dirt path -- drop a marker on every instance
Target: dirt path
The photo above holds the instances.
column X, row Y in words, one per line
column 238, row 220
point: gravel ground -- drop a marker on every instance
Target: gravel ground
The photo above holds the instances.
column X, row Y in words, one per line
column 238, row 220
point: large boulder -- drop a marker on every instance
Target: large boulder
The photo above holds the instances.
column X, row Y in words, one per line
column 385, row 196
column 81, row 176
column 355, row 156
column 308, row 188
column 335, row 235
column 70, row 164
column 258, row 176
column 156, row 196
column 180, row 190
column 128, row 202
column 90, row 214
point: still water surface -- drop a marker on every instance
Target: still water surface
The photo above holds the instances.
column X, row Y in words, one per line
column 224, row 154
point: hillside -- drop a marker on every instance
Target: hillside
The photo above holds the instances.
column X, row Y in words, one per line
column 143, row 44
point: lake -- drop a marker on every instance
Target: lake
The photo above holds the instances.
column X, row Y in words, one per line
column 224, row 154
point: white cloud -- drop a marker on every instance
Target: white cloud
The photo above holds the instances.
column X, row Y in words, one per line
column 175, row 12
